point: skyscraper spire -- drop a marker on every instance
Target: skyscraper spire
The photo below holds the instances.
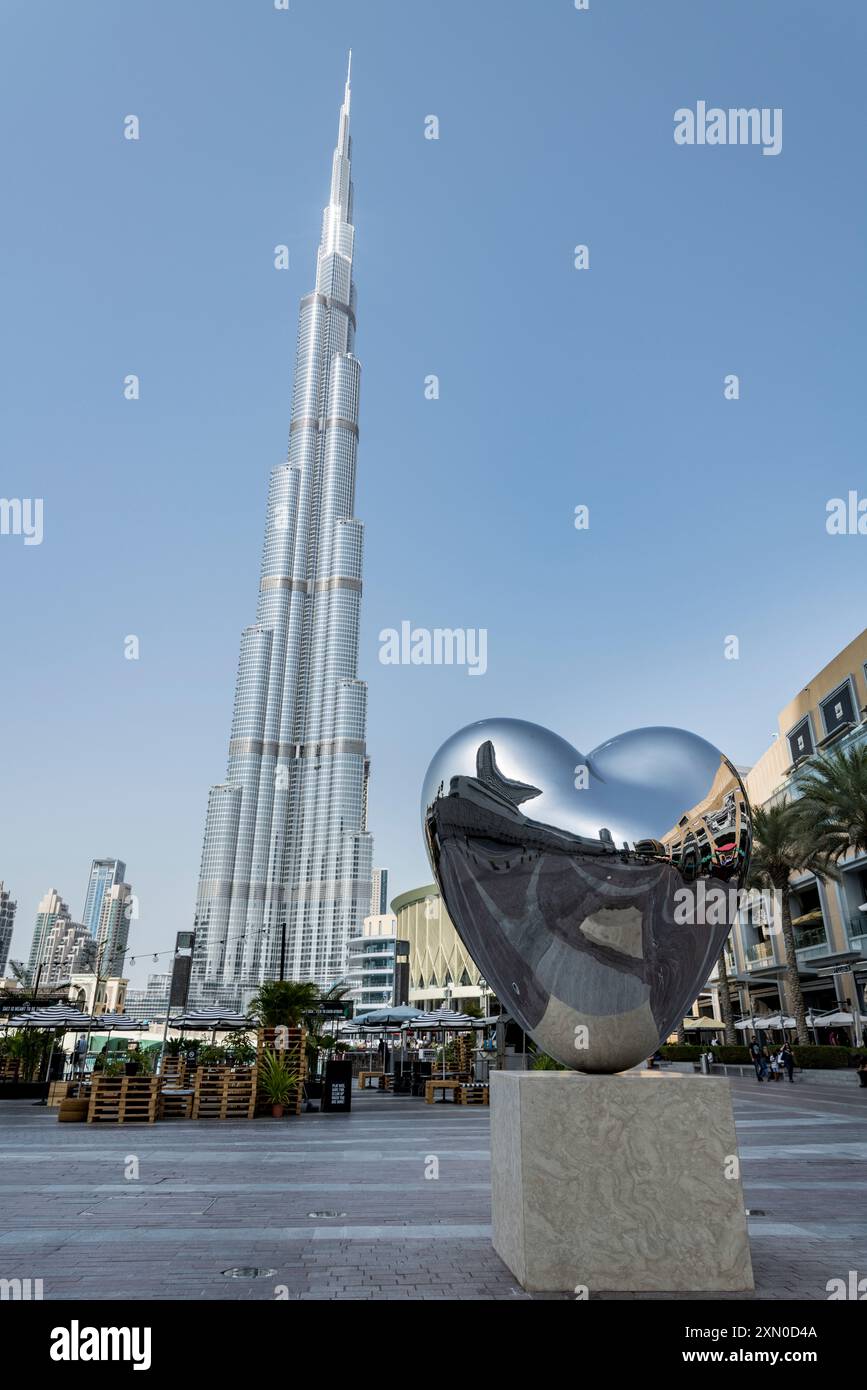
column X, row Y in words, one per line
column 286, row 862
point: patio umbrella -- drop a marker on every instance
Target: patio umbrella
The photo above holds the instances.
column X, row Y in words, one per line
column 391, row 1018
column 211, row 1021
column 108, row 1023
column 378, row 1020
column 56, row 1017
column 840, row 1018
column 697, row 1024
column 446, row 1021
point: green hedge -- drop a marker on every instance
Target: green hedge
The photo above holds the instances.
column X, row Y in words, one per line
column 821, row 1057
column 824, row 1056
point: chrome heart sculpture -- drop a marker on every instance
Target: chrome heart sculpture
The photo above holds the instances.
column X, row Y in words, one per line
column 593, row 893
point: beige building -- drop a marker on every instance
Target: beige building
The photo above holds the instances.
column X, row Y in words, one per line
column 829, row 918
column 97, row 997
column 440, row 970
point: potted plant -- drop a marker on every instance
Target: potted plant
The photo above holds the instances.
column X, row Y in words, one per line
column 276, row 1081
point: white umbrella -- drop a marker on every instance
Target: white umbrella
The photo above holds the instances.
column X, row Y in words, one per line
column 839, row 1018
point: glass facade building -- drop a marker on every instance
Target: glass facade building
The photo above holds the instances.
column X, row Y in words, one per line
column 104, row 874
column 379, row 893
column 286, row 863
column 7, row 922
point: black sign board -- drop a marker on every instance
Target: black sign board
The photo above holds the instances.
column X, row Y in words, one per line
column 337, row 1091
column 341, row 1008
column 180, row 981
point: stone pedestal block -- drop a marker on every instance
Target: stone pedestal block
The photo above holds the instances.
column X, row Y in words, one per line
column 627, row 1183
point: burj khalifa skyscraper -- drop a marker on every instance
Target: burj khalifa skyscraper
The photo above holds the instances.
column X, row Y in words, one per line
column 286, row 863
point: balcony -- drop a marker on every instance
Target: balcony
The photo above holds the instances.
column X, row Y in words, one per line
column 760, row 953
column 807, row 938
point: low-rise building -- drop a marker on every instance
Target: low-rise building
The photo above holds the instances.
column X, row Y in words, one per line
column 378, row 965
column 441, row 972
column 829, row 916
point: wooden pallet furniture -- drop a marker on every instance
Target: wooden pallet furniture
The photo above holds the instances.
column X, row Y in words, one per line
column 71, row 1089
column 462, row 1053
column 224, row 1093
column 173, row 1071
column 72, row 1107
column 123, row 1100
column 474, row 1093
column 382, row 1079
column 176, row 1091
column 291, row 1045
column 438, row 1084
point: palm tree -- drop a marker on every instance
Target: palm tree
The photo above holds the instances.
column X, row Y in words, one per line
column 283, row 1003
column 833, row 801
column 784, row 843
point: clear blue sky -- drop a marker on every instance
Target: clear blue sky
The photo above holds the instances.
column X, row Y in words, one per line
column 558, row 387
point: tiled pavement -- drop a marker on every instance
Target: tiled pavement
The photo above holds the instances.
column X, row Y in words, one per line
column 338, row 1206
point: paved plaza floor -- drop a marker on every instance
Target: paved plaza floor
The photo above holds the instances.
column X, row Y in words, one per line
column 340, row 1207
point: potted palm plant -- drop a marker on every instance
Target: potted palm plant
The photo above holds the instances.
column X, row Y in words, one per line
column 276, row 1081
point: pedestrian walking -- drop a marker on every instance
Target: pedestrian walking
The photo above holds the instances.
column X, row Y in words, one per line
column 787, row 1057
column 756, row 1055
column 765, row 1062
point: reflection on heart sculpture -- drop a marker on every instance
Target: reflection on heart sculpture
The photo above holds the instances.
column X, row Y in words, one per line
column 594, row 893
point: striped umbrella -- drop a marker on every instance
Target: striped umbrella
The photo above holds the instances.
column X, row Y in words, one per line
column 379, row 1020
column 446, row 1021
column 56, row 1017
column 210, row 1020
column 108, row 1023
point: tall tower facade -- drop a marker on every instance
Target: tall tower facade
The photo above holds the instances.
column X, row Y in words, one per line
column 48, row 910
column 286, row 862
column 112, row 936
column 379, row 893
column 7, row 922
column 104, row 874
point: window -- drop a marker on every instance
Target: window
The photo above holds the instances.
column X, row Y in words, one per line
column 838, row 708
column 801, row 741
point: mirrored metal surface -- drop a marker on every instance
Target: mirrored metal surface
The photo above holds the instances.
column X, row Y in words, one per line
column 594, row 892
